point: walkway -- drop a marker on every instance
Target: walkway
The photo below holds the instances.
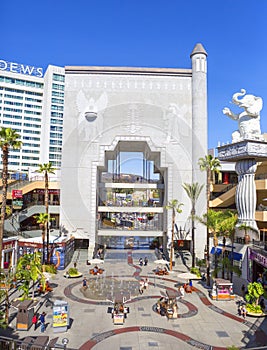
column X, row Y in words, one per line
column 202, row 323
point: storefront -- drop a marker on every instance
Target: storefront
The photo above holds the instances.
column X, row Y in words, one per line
column 222, row 290
column 257, row 265
column 61, row 249
column 9, row 256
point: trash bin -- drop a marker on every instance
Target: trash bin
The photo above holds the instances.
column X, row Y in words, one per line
column 24, row 315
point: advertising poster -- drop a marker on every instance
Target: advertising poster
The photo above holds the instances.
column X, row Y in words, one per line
column 60, row 316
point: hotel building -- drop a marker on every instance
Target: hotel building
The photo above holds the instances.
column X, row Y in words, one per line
column 32, row 103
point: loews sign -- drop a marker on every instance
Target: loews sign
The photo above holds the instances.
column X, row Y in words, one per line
column 21, row 68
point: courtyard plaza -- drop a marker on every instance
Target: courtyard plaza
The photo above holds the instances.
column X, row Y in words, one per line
column 202, row 323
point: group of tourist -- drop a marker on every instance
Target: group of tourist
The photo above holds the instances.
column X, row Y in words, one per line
column 161, row 271
column 143, row 262
column 143, row 285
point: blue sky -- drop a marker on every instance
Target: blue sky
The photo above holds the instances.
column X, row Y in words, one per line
column 146, row 33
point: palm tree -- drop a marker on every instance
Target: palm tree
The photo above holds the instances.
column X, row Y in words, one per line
column 212, row 219
column 42, row 219
column 46, row 169
column 228, row 227
column 193, row 191
column 244, row 226
column 211, row 165
column 174, row 206
column 9, row 138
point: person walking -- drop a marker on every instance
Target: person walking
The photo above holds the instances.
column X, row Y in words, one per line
column 243, row 311
column 141, row 287
column 42, row 320
column 84, row 284
column 145, row 261
column 35, row 320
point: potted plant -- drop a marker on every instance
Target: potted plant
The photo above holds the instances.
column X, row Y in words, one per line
column 247, row 228
column 255, row 291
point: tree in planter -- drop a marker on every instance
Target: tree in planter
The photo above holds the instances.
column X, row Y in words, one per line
column 212, row 220
column 211, row 165
column 46, row 169
column 193, row 191
column 9, row 138
column 244, row 226
column 175, row 207
column 228, row 227
column 29, row 271
column 255, row 291
column 224, row 264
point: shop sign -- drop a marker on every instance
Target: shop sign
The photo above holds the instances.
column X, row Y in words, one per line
column 17, row 204
column 16, row 193
column 8, row 245
column 50, row 191
column 262, row 260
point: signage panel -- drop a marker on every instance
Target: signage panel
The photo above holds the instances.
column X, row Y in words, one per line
column 21, row 68
column 16, row 194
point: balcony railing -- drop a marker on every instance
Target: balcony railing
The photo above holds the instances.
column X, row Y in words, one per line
column 138, row 223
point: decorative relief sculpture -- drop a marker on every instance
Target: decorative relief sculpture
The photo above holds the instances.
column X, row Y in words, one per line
column 90, row 123
column 249, row 119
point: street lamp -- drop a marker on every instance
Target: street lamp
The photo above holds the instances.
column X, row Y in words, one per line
column 65, row 342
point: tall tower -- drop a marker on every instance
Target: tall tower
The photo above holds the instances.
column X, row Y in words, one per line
column 199, row 110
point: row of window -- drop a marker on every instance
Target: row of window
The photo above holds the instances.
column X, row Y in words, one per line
column 31, row 138
column 16, row 110
column 55, row 164
column 56, row 142
column 33, row 84
column 57, row 108
column 31, row 151
column 59, row 77
column 11, row 116
column 56, row 114
column 57, row 87
column 19, row 97
column 26, row 144
column 13, row 103
column 55, row 156
column 57, row 94
column 57, row 121
column 57, row 100
column 22, row 91
column 56, row 128
column 28, row 125
column 54, row 135
column 55, row 149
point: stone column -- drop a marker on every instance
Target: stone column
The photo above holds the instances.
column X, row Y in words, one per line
column 246, row 198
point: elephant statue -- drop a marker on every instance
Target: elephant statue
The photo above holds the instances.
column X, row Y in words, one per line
column 249, row 119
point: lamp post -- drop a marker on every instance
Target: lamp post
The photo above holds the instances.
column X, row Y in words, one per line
column 65, row 342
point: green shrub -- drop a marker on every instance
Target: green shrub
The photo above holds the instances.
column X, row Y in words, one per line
column 196, row 271
column 73, row 271
column 256, row 309
column 50, row 268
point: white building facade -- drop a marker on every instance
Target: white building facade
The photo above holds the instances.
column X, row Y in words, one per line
column 32, row 103
column 112, row 112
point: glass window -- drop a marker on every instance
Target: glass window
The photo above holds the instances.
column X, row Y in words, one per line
column 58, row 77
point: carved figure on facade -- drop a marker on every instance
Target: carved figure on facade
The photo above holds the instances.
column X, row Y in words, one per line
column 172, row 124
column 249, row 119
column 90, row 121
